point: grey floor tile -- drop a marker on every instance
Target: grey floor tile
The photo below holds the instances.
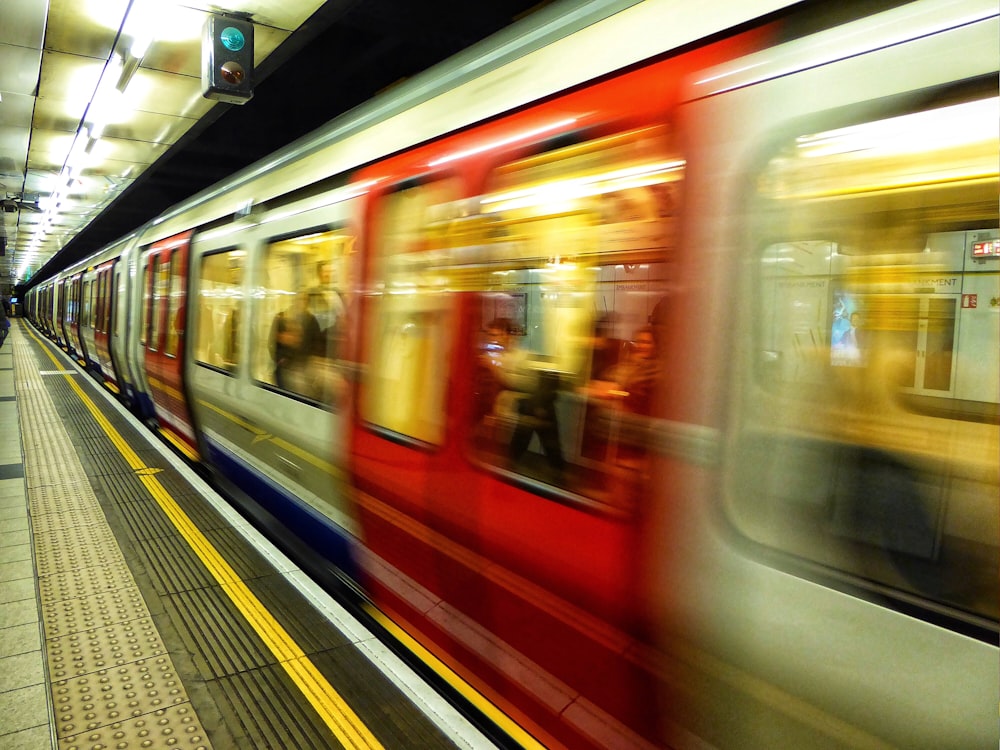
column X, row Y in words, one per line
column 13, row 538
column 8, row 525
column 13, row 511
column 13, row 591
column 18, row 612
column 21, row 671
column 20, row 639
column 15, row 553
column 16, row 570
column 24, row 708
column 36, row 738
column 11, row 488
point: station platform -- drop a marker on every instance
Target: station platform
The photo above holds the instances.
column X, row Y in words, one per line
column 139, row 610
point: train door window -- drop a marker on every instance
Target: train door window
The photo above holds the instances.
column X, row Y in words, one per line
column 99, row 307
column 410, row 329
column 575, row 247
column 161, row 293
column 175, row 306
column 147, row 301
column 300, row 314
column 119, row 296
column 870, row 420
column 71, row 303
column 109, row 297
column 85, row 308
column 220, row 310
column 99, row 303
column 105, row 300
column 60, row 304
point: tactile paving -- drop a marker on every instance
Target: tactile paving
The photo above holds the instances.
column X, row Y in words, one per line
column 174, row 727
column 63, row 497
column 82, row 547
column 79, row 653
column 93, row 611
column 86, row 703
column 87, row 515
column 83, row 581
column 53, row 467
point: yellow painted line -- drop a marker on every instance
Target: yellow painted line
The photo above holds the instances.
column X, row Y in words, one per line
column 336, row 714
column 233, row 418
column 178, row 443
column 494, row 714
column 295, row 450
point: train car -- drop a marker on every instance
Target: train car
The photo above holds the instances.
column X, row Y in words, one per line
column 268, row 378
column 840, row 282
column 655, row 395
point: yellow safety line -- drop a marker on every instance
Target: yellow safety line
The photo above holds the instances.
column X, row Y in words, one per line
column 336, row 714
column 498, row 717
column 176, row 441
column 260, row 434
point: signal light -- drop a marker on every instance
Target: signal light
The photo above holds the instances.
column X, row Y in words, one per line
column 227, row 59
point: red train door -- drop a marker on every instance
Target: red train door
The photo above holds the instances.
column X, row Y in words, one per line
column 166, row 311
column 500, row 529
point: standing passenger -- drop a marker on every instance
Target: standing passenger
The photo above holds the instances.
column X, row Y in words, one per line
column 330, row 308
column 295, row 337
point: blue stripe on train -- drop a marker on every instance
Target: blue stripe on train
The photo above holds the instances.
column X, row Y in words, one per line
column 323, row 536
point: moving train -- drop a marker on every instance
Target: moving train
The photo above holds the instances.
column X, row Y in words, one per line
column 640, row 363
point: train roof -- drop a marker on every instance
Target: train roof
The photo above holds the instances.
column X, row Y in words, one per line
column 556, row 48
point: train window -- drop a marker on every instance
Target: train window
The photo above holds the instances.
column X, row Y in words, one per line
column 161, row 292
column 147, row 301
column 583, row 237
column 175, row 306
column 99, row 302
column 219, row 310
column 87, row 301
column 106, row 302
column 299, row 315
column 568, row 253
column 72, row 304
column 105, row 325
column 412, row 322
column 117, row 281
column 869, row 423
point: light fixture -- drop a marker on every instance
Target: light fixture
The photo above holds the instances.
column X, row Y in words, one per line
column 130, row 64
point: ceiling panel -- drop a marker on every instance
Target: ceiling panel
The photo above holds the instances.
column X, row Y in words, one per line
column 19, row 72
column 70, row 78
column 23, row 23
column 84, row 27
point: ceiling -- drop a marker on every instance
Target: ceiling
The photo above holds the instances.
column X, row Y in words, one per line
column 70, row 186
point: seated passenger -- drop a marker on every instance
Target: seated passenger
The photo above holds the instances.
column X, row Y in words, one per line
column 633, row 380
column 617, row 431
column 522, row 395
